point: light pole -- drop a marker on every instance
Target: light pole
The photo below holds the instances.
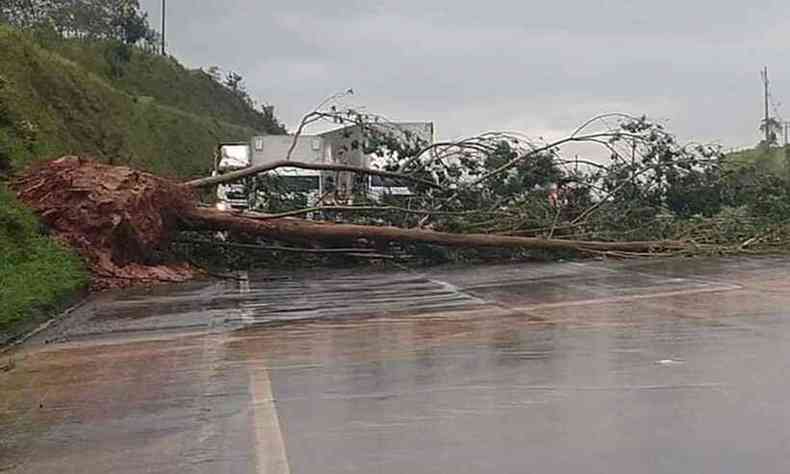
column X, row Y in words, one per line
column 767, row 116
column 164, row 16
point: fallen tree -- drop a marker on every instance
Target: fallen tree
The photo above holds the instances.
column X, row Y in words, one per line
column 305, row 231
column 120, row 220
column 264, row 168
column 496, row 190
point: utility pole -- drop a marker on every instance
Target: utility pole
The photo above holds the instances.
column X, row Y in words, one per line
column 164, row 15
column 766, row 123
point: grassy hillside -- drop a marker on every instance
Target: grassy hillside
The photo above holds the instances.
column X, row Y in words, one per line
column 61, row 97
column 50, row 106
column 773, row 160
column 166, row 81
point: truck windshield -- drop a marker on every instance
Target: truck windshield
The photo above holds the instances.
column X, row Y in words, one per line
column 233, row 156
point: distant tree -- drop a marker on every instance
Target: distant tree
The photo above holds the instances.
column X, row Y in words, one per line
column 152, row 41
column 121, row 20
column 79, row 19
column 234, row 82
column 25, row 13
column 4, row 15
column 128, row 20
column 215, row 72
column 774, row 129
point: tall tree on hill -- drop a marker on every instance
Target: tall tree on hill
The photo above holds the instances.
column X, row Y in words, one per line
column 4, row 15
column 78, row 18
column 25, row 13
column 774, row 129
column 235, row 83
column 129, row 22
column 122, row 20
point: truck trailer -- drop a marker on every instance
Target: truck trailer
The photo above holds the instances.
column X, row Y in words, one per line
column 309, row 188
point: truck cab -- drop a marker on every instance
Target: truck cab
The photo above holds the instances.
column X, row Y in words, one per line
column 232, row 157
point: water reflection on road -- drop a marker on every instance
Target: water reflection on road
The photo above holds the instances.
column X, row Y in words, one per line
column 668, row 366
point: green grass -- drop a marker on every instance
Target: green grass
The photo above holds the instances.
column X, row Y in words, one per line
column 37, row 275
column 51, row 106
column 773, row 160
column 167, row 81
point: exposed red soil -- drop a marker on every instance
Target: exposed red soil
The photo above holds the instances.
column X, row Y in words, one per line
column 115, row 217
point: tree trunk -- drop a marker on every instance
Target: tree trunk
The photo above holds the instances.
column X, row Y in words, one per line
column 306, row 231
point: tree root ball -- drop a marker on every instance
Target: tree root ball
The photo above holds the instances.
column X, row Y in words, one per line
column 115, row 217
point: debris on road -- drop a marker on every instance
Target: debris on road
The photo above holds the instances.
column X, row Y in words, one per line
column 120, row 219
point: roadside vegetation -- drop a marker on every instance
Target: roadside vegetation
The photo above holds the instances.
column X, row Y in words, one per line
column 51, row 106
column 37, row 274
column 771, row 159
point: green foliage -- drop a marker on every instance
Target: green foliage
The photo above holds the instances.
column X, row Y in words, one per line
column 129, row 21
column 771, row 160
column 526, row 185
column 121, row 20
column 50, row 106
column 766, row 195
column 697, row 192
column 774, row 128
column 651, row 188
column 277, row 193
column 169, row 83
column 118, row 56
column 36, row 274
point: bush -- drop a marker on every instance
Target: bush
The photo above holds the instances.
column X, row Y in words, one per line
column 118, row 55
column 36, row 273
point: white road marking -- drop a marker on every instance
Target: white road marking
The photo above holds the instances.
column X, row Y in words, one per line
column 270, row 446
column 270, row 454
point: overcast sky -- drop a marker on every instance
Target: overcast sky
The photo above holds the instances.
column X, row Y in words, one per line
column 540, row 67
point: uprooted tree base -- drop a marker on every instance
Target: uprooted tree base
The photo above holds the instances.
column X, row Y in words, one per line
column 116, row 218
column 120, row 220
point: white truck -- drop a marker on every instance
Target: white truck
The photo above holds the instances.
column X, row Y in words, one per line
column 232, row 157
column 340, row 146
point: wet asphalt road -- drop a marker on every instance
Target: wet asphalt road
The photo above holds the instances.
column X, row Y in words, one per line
column 650, row 367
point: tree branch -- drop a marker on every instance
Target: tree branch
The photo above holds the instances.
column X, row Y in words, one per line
column 254, row 170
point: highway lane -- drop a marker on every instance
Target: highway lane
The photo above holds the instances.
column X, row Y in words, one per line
column 648, row 366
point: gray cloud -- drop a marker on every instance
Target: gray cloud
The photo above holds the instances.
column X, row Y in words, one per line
column 539, row 67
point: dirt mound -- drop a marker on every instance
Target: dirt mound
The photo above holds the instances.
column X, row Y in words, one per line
column 115, row 217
